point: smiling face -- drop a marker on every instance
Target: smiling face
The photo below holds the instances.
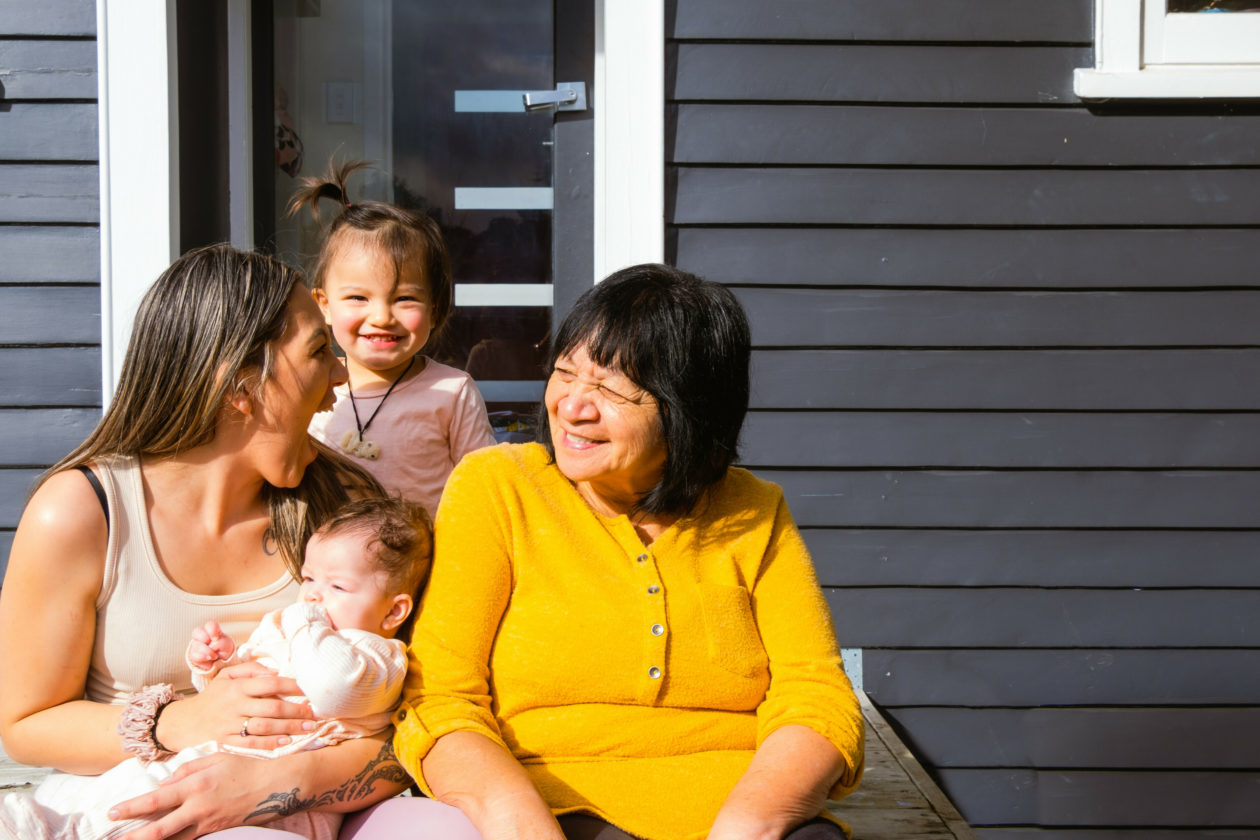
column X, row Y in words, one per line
column 302, row 379
column 380, row 322
column 606, row 431
column 341, row 576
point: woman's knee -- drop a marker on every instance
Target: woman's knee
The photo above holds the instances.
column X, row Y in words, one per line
column 409, row 818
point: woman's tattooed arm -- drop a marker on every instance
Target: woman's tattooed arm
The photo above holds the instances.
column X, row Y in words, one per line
column 383, row 768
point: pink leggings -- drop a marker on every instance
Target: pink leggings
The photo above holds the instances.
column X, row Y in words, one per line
column 403, row 817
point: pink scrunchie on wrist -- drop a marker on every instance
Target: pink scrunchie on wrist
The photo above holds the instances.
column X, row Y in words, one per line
column 138, row 722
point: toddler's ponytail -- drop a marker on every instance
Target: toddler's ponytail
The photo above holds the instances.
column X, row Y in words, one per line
column 330, row 185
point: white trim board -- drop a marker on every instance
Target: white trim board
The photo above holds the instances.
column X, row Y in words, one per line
column 629, row 103
column 139, row 153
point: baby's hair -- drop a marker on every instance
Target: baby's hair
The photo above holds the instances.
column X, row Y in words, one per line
column 406, row 236
column 399, row 536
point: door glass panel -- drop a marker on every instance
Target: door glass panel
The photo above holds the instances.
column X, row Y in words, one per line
column 431, row 93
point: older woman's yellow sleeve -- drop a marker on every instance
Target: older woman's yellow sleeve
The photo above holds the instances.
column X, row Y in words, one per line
column 808, row 685
column 447, row 687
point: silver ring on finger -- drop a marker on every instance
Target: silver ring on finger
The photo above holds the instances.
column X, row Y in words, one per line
column 245, row 727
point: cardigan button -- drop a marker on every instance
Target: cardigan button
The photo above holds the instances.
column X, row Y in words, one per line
column 641, row 558
column 657, row 629
column 653, row 589
column 654, row 672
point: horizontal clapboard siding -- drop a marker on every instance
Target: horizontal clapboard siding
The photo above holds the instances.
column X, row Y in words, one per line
column 1004, row 198
column 37, row 436
column 972, row 258
column 1067, row 379
column 886, row 136
column 37, row 131
column 848, row 557
column 901, row 20
column 50, row 254
column 15, row 484
column 27, row 310
column 875, row 73
column 1085, row 798
column 1003, row 364
column 48, row 17
column 50, row 369
column 1009, row 439
column 1022, row 498
column 1063, row 738
column 884, row 318
column 1062, row 677
column 965, row 617
column 34, row 69
column 43, row 193
column 1109, row 834
column 50, row 376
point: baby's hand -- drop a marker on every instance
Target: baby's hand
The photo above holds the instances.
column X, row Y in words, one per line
column 209, row 645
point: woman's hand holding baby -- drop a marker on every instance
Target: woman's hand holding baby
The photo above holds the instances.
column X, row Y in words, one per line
column 245, row 697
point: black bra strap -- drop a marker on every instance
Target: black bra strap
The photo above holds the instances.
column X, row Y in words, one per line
column 100, row 491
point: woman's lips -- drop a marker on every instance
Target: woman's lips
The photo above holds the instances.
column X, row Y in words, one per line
column 578, row 442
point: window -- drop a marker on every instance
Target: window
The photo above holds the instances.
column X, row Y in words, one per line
column 1173, row 49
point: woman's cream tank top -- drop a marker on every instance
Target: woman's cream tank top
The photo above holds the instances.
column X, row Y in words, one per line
column 143, row 621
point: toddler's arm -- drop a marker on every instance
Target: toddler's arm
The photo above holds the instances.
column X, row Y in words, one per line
column 344, row 674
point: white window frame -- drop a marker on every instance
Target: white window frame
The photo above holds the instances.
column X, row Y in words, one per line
column 1141, row 53
column 139, row 149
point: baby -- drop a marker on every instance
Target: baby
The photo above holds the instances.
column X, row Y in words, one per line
column 363, row 571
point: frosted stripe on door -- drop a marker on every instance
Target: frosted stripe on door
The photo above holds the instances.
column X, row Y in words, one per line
column 489, row 102
column 511, row 390
column 503, row 198
column 503, row 294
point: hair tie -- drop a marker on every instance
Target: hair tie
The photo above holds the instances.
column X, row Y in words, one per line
column 138, row 722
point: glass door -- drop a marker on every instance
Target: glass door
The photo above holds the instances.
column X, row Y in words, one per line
column 433, row 93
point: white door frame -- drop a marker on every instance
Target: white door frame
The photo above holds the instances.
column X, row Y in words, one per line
column 139, row 150
column 139, row 162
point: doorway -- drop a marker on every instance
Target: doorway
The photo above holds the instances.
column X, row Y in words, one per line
column 432, row 94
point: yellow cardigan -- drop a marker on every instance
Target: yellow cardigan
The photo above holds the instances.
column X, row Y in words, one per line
column 631, row 683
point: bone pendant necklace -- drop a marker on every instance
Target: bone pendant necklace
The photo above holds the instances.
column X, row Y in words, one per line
column 354, row 441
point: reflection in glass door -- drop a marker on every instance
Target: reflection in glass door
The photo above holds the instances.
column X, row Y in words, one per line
column 431, row 92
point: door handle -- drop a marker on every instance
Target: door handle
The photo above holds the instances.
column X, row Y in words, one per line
column 568, row 96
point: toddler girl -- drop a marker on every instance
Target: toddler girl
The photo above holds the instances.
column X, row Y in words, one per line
column 383, row 281
column 363, row 571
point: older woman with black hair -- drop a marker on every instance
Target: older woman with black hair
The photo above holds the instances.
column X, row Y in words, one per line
column 623, row 635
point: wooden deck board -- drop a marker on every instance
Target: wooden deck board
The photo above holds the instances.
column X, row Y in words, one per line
column 896, row 800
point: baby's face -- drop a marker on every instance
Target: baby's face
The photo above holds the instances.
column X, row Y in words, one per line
column 340, row 575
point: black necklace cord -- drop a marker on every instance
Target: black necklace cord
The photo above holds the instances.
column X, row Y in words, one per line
column 363, row 427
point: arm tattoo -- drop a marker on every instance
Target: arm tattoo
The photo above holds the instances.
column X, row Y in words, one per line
column 384, row 767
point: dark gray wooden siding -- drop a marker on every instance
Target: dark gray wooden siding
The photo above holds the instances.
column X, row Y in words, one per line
column 50, row 393
column 1007, row 369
